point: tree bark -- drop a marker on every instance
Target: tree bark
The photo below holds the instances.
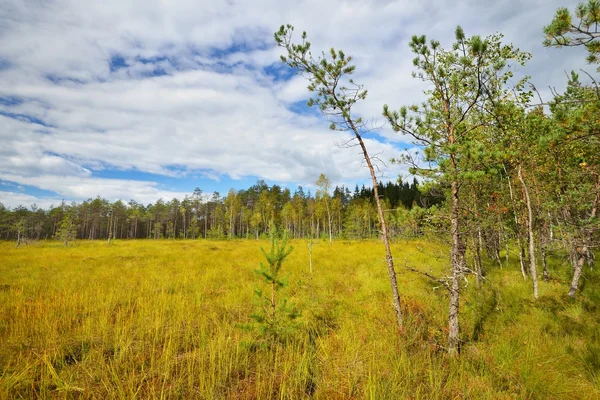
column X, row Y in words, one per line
column 519, row 244
column 544, row 263
column 532, row 263
column 328, row 216
column 479, row 269
column 578, row 261
column 456, row 261
column 310, row 255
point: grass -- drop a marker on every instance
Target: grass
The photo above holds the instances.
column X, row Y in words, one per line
column 161, row 319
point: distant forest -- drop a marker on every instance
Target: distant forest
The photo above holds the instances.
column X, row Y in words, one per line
column 246, row 213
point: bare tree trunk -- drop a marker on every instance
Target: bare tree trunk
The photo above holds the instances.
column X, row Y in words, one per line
column 578, row 261
column 205, row 219
column 310, row 255
column 456, row 261
column 109, row 228
column 532, row 263
column 523, row 261
column 384, row 232
column 544, row 264
column 329, row 221
column 231, row 224
column 543, row 250
column 519, row 244
column 477, row 246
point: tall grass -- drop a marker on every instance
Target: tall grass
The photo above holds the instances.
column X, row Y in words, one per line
column 161, row 319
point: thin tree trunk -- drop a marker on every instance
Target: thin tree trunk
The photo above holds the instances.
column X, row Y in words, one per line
column 543, row 250
column 478, row 246
column 318, row 228
column 519, row 243
column 578, row 261
column 544, row 263
column 109, row 228
column 456, row 261
column 388, row 250
column 329, row 221
column 231, row 224
column 310, row 255
column 532, row 263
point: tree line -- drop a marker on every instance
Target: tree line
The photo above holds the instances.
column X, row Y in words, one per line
column 245, row 213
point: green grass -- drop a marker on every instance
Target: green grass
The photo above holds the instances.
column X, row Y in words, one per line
column 161, row 319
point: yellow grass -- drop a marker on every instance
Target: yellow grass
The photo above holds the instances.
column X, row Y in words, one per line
column 162, row 319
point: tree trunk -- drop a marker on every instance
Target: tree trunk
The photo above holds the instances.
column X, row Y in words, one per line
column 477, row 247
column 205, row 220
column 519, row 244
column 544, row 264
column 384, row 232
column 310, row 255
column 544, row 232
column 456, row 261
column 522, row 261
column 109, row 228
column 231, row 224
column 329, row 221
column 532, row 263
column 578, row 261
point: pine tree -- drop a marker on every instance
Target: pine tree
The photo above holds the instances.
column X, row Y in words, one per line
column 447, row 125
column 274, row 315
column 67, row 230
column 563, row 31
column 335, row 94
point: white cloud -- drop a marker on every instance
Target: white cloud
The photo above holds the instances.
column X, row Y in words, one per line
column 83, row 188
column 215, row 111
column 15, row 199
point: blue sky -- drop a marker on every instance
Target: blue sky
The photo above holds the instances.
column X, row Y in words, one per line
column 150, row 99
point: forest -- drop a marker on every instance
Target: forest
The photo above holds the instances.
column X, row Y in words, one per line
column 241, row 214
column 476, row 278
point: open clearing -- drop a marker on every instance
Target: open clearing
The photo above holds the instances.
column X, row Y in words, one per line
column 163, row 319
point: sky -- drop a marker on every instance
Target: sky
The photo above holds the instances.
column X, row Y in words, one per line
column 149, row 99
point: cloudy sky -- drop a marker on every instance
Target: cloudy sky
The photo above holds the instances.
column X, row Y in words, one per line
column 143, row 99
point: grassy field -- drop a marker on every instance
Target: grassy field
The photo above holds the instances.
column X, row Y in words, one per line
column 162, row 319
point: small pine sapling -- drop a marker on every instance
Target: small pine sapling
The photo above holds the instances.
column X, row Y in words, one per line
column 274, row 315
